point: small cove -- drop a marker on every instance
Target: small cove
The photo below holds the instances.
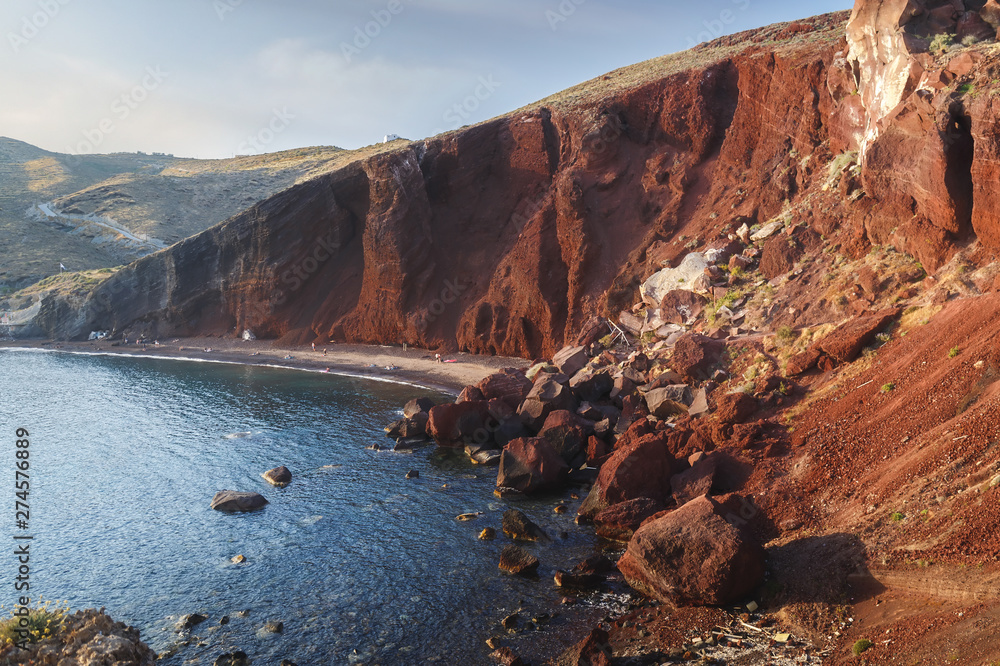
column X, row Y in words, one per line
column 360, row 564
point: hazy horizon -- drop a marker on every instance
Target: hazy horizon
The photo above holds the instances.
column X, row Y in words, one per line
column 218, row 78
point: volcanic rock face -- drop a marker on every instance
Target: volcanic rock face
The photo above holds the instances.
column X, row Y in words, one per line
column 502, row 238
column 917, row 150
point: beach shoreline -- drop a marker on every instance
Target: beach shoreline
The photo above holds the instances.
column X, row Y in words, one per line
column 387, row 363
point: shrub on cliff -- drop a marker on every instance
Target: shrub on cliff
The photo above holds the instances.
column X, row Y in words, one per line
column 39, row 623
column 941, row 43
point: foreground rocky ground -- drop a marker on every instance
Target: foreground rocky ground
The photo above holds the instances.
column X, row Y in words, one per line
column 85, row 638
column 840, row 479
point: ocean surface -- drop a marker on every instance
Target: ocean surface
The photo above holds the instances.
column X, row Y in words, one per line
column 361, row 565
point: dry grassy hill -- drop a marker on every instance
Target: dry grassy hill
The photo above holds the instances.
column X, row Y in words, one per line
column 100, row 211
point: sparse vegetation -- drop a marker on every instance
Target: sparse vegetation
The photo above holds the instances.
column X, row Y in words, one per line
column 861, row 646
column 970, row 40
column 941, row 43
column 42, row 621
column 846, row 160
column 888, row 386
column 786, row 335
column 897, row 517
column 953, row 352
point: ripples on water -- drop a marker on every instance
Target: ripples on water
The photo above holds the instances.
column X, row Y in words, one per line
column 361, row 565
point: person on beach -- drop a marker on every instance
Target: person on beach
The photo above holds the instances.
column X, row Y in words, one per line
column 437, row 357
column 324, row 351
column 314, row 346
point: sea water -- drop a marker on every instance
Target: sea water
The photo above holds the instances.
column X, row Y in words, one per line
column 359, row 563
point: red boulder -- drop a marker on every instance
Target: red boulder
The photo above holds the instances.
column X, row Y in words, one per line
column 640, row 469
column 693, row 556
column 695, row 355
column 509, row 385
column 458, row 424
column 531, row 465
column 619, row 521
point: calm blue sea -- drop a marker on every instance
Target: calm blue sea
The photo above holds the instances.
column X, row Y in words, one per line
column 360, row 564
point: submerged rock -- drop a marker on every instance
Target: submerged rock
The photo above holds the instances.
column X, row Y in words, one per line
column 237, row 658
column 518, row 561
column 519, row 527
column 188, row 621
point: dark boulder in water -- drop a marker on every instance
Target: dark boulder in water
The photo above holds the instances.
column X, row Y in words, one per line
column 518, row 561
column 232, row 501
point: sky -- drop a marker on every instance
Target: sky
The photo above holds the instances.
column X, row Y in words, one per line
column 218, row 78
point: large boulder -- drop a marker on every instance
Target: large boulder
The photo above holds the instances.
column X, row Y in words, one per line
column 693, row 556
column 592, row 385
column 547, row 395
column 669, row 400
column 531, row 465
column 681, row 306
column 234, row 501
column 567, row 433
column 620, row 521
column 416, row 406
column 509, row 385
column 407, row 428
column 683, row 277
column 847, row 341
column 695, row 355
column 570, row 360
column 640, row 469
column 470, row 394
column 457, row 424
